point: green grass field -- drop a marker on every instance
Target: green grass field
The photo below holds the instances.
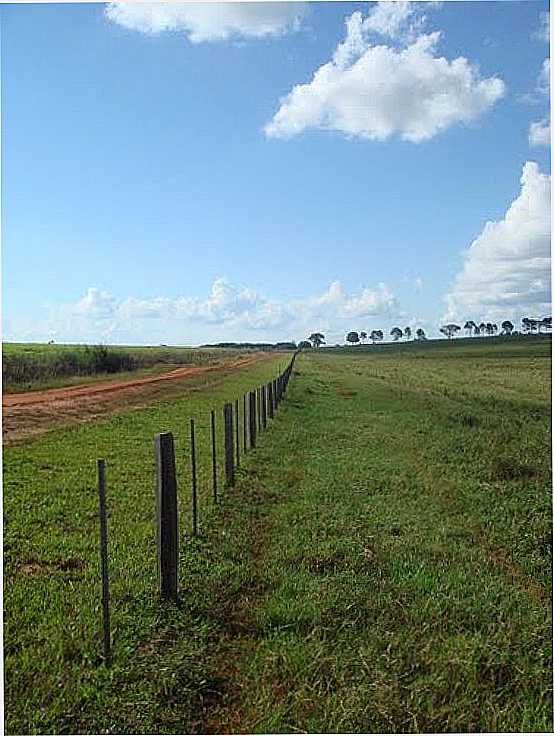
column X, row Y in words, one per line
column 31, row 366
column 383, row 565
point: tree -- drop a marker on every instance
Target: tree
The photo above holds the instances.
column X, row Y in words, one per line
column 420, row 334
column 396, row 332
column 482, row 328
column 363, row 336
column 450, row 330
column 407, row 333
column 353, row 337
column 507, row 327
column 317, row 339
column 470, row 327
column 546, row 322
column 375, row 336
column 526, row 322
column 304, row 345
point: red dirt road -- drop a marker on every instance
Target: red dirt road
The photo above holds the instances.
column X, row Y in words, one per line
column 35, row 412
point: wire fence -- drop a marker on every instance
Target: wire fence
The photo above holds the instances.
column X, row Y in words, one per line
column 235, row 433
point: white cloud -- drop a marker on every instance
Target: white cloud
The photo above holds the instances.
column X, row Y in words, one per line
column 543, row 81
column 506, row 270
column 543, row 33
column 376, row 91
column 226, row 313
column 539, row 133
column 210, row 21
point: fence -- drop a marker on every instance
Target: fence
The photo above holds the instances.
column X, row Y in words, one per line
column 259, row 406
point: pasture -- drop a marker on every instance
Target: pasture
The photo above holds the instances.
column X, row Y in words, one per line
column 30, row 366
column 384, row 563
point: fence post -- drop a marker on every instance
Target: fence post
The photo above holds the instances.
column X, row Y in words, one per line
column 259, row 404
column 237, row 431
column 270, row 399
column 166, row 498
column 104, row 562
column 244, row 429
column 214, row 457
column 193, row 469
column 264, row 406
column 229, row 450
column 252, row 418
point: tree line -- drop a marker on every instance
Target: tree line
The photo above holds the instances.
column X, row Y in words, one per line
column 489, row 329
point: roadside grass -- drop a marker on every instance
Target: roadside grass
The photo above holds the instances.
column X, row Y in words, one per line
column 383, row 565
column 33, row 366
column 51, row 588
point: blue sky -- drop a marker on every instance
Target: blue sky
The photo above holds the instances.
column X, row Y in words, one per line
column 185, row 174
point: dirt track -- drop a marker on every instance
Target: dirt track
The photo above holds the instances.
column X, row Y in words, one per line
column 35, row 412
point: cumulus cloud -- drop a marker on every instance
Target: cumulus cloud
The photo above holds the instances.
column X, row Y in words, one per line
column 227, row 312
column 210, row 21
column 539, row 133
column 375, row 91
column 506, row 271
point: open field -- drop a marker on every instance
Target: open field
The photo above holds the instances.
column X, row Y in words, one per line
column 35, row 412
column 32, row 366
column 384, row 563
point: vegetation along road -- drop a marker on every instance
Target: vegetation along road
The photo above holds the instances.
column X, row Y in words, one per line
column 382, row 565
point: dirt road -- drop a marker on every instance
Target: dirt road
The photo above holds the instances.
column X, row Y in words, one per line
column 35, row 412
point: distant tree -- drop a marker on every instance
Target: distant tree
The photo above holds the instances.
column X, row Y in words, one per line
column 507, row 327
column 526, row 324
column 376, row 336
column 420, row 334
column 353, row 337
column 317, row 339
column 363, row 336
column 304, row 345
column 407, row 333
column 471, row 327
column 450, row 330
column 494, row 328
column 482, row 328
column 397, row 333
column 379, row 334
column 546, row 322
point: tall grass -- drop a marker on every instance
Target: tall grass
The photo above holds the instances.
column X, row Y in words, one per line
column 41, row 364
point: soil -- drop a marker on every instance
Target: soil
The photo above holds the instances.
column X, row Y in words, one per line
column 35, row 412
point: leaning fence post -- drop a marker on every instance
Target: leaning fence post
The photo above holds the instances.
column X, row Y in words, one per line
column 193, row 479
column 104, row 562
column 237, row 435
column 252, row 418
column 214, row 457
column 229, row 450
column 166, row 498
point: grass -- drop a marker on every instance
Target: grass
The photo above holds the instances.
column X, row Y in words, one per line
column 30, row 366
column 384, row 563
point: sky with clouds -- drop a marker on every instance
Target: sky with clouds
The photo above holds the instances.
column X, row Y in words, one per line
column 190, row 173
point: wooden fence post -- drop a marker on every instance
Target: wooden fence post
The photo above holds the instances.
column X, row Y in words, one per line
column 270, row 399
column 193, row 469
column 259, row 405
column 214, row 457
column 252, row 418
column 244, row 424
column 237, row 432
column 229, row 450
column 104, row 562
column 264, row 406
column 166, row 498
